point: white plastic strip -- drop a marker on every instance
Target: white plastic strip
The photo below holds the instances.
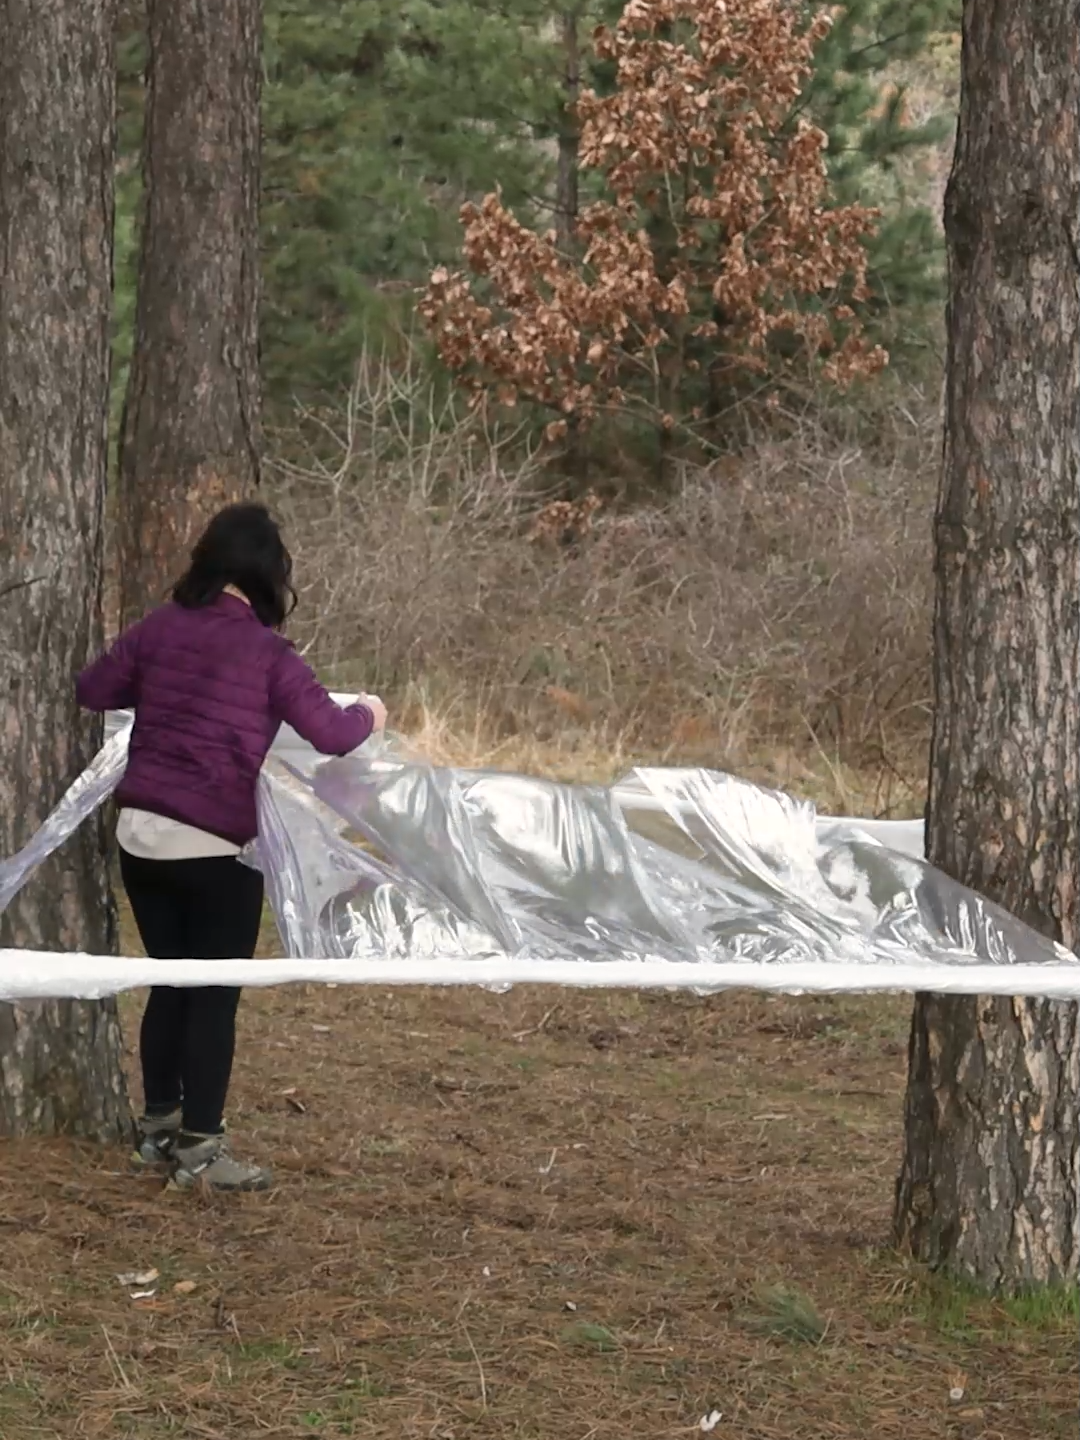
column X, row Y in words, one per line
column 38, row 975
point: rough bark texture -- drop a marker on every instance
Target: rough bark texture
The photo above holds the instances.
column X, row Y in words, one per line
column 992, row 1168
column 190, row 437
column 59, row 1062
column 566, row 180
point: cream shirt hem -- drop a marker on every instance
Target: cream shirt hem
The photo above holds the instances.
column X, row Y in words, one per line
column 156, row 837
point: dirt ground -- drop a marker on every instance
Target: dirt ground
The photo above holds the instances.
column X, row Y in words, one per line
column 561, row 1216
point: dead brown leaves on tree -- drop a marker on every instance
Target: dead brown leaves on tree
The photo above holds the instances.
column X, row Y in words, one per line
column 716, row 235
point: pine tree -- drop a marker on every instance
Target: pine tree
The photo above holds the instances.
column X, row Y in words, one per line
column 190, row 435
column 61, row 1062
column 990, row 1185
column 859, row 97
column 380, row 119
column 129, row 23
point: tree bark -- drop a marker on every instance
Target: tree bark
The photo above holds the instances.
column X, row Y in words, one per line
column 191, row 436
column 566, row 178
column 991, row 1175
column 60, row 1062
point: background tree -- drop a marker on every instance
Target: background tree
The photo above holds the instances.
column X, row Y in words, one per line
column 713, row 240
column 59, row 1061
column 991, row 1177
column 859, row 92
column 191, row 436
column 380, row 120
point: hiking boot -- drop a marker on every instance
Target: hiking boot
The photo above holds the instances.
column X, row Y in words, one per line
column 155, row 1141
column 207, row 1159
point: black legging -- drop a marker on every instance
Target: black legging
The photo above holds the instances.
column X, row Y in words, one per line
column 207, row 909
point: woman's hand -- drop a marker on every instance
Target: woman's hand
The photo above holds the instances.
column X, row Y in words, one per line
column 377, row 708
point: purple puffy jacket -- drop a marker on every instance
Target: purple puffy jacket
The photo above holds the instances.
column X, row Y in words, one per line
column 210, row 688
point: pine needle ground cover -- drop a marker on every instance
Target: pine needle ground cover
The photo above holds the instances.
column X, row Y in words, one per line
column 540, row 1215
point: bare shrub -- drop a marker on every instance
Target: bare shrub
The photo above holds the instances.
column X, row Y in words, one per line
column 778, row 597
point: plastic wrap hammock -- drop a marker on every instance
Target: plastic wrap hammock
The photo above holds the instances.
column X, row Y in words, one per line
column 384, row 869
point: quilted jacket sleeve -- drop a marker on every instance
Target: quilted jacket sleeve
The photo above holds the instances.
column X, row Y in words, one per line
column 112, row 681
column 298, row 699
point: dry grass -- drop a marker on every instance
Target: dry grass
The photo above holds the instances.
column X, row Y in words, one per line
column 539, row 1215
column 452, row 734
column 776, row 601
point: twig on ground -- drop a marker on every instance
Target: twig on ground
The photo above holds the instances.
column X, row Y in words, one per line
column 114, row 1360
column 536, row 1029
column 479, row 1367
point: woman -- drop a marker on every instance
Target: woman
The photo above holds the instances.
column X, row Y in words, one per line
column 210, row 679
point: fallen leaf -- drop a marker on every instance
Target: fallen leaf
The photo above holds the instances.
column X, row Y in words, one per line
column 138, row 1277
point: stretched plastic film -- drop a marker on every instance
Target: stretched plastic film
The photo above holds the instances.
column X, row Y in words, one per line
column 91, row 789
column 686, row 866
column 383, row 868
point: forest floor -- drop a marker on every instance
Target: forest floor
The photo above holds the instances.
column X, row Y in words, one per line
column 556, row 1216
column 537, row 1216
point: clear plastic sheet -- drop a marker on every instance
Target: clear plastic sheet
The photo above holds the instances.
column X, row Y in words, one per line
column 669, row 865
column 91, row 789
column 383, row 868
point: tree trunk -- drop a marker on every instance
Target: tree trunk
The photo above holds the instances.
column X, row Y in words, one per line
column 575, row 457
column 190, row 438
column 59, row 1061
column 991, row 1174
column 566, row 178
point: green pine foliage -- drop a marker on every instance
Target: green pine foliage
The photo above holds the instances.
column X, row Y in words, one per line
column 862, row 96
column 381, row 118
